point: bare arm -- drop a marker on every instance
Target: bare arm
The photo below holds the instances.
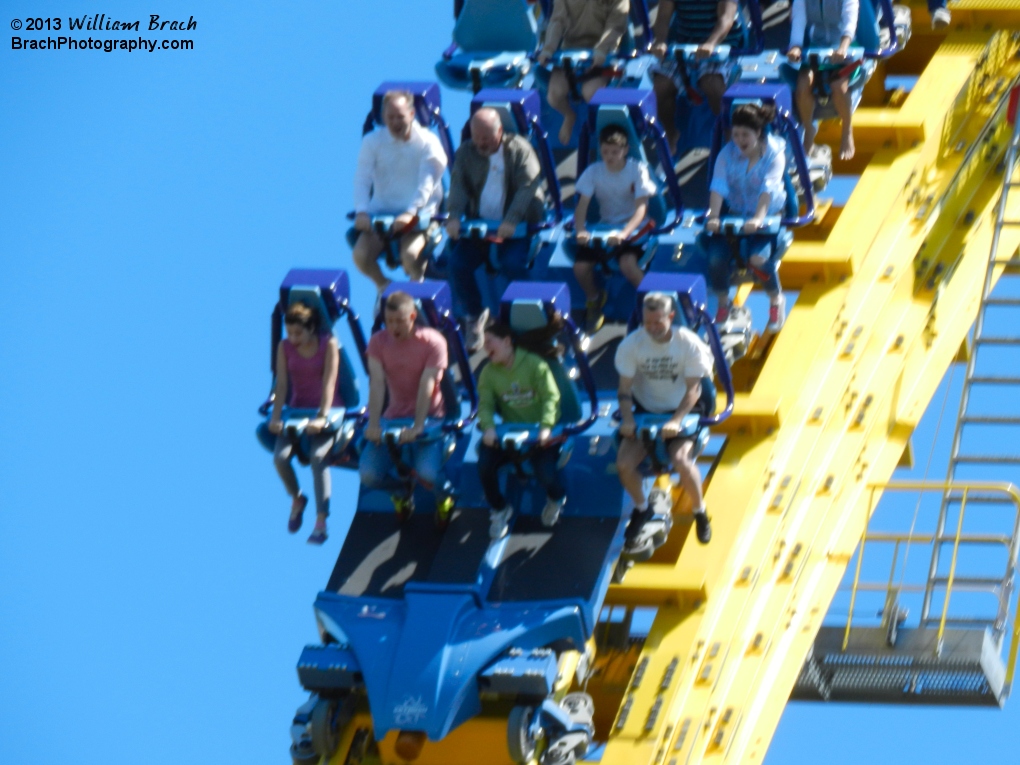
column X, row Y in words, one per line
column 662, row 18
column 724, row 23
column 329, row 374
column 626, row 400
column 640, row 213
column 580, row 218
column 281, row 388
column 689, row 400
column 376, row 396
column 426, row 387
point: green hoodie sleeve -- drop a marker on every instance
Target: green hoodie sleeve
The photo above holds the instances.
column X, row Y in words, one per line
column 548, row 394
column 486, row 400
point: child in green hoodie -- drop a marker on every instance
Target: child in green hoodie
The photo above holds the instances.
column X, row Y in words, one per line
column 519, row 387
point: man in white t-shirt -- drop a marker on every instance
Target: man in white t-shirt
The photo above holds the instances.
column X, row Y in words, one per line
column 661, row 368
column 400, row 172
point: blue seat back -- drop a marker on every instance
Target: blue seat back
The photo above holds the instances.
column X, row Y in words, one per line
column 868, row 30
column 496, row 25
column 528, row 307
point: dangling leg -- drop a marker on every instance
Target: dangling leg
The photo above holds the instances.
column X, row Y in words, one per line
column 713, row 86
column 806, row 107
column 558, row 95
column 281, row 459
column 366, row 257
column 321, row 446
column 412, row 258
column 841, row 100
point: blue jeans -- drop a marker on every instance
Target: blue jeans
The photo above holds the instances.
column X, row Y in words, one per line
column 378, row 470
column 934, row 5
column 469, row 254
column 543, row 463
column 721, row 254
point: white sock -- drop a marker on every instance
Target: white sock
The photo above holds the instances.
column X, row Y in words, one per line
column 699, row 510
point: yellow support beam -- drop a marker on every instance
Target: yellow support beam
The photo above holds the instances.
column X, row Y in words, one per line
column 885, row 302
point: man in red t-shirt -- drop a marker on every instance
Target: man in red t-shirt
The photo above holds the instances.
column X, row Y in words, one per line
column 407, row 362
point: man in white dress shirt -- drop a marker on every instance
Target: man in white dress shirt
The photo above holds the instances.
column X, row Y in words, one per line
column 400, row 172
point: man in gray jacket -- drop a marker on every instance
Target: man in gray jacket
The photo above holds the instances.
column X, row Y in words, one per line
column 496, row 177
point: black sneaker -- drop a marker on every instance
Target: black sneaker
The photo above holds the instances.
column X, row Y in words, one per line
column 703, row 526
column 638, row 518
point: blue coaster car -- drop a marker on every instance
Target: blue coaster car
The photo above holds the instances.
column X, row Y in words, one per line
column 634, row 111
column 460, row 399
column 520, row 111
column 690, row 298
column 328, row 292
column 429, row 114
column 432, row 628
column 493, row 44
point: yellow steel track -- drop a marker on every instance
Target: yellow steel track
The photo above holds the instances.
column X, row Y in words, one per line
column 889, row 286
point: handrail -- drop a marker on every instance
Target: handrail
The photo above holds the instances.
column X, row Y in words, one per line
column 962, row 491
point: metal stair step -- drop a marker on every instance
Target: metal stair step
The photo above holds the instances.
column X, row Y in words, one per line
column 981, row 419
column 998, row 340
column 985, row 459
column 995, row 380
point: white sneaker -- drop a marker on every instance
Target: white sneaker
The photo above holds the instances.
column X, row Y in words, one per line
column 659, row 501
column 551, row 511
column 941, row 19
column 499, row 522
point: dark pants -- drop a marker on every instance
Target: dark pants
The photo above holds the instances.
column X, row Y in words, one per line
column 543, row 463
column 469, row 254
column 721, row 255
column 934, row 5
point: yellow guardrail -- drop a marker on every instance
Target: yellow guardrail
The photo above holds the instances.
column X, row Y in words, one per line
column 958, row 491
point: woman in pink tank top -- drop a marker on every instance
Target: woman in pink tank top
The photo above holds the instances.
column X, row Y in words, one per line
column 307, row 365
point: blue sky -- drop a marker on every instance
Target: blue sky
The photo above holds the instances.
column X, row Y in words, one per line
column 152, row 606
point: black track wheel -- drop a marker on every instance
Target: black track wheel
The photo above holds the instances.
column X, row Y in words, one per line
column 325, row 735
column 521, row 745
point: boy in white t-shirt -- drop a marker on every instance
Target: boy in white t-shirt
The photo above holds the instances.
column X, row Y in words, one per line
column 661, row 368
column 621, row 186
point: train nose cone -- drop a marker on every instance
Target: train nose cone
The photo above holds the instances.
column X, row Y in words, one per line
column 409, row 744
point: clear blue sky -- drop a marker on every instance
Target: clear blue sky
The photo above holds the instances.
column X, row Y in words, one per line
column 152, row 606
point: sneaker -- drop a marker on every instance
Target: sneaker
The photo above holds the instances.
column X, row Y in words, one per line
column 777, row 315
column 318, row 535
column 703, row 527
column 594, row 318
column 551, row 511
column 722, row 313
column 403, row 504
column 941, row 19
column 638, row 518
column 499, row 522
column 297, row 514
column 659, row 501
column 474, row 331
